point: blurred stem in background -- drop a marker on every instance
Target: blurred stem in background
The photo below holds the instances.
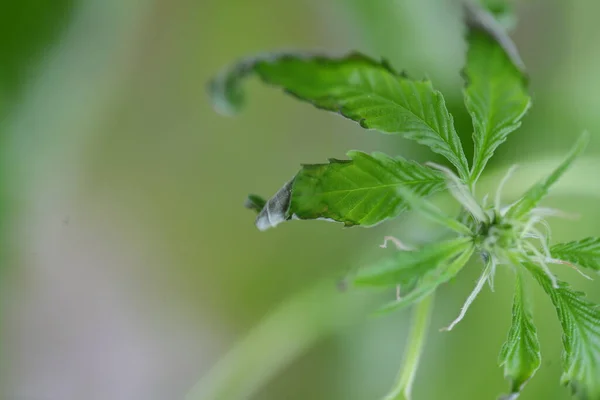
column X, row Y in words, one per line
column 280, row 338
column 320, row 311
column 414, row 348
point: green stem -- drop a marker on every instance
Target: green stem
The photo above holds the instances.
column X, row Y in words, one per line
column 414, row 349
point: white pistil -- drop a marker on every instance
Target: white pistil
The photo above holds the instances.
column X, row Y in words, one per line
column 397, row 242
column 480, row 283
column 542, row 262
column 503, row 182
column 562, row 262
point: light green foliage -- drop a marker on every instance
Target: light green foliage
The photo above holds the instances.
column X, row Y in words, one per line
column 358, row 88
column 495, row 96
column 407, row 267
column 585, row 252
column 429, row 281
column 537, row 192
column 580, row 321
column 368, row 189
column 520, row 354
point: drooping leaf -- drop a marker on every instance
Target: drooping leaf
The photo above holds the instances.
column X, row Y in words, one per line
column 585, row 252
column 495, row 96
column 537, row 192
column 431, row 279
column 360, row 191
column 520, row 354
column 580, row 321
column 357, row 87
column 406, row 267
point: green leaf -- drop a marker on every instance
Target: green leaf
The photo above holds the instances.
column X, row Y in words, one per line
column 520, row 354
column 585, row 252
column 428, row 282
column 580, row 321
column 357, row 87
column 430, row 211
column 360, row 191
column 537, row 192
column 495, row 22
column 406, row 267
column 495, row 96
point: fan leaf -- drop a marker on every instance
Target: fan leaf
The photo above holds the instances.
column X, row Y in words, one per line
column 357, row 87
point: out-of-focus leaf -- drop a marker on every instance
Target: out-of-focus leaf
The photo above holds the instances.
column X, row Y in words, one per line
column 360, row 191
column 536, row 193
column 428, row 282
column 407, row 267
column 485, row 19
column 358, row 88
column 584, row 252
column 495, row 96
column 580, row 321
column 520, row 354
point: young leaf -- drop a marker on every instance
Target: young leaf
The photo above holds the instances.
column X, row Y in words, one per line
column 585, row 252
column 359, row 191
column 520, row 354
column 357, row 87
column 537, row 192
column 431, row 279
column 495, row 96
column 408, row 266
column 580, row 321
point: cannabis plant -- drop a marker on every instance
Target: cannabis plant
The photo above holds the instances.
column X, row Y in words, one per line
column 367, row 189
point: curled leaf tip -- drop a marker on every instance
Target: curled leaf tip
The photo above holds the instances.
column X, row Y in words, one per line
column 275, row 210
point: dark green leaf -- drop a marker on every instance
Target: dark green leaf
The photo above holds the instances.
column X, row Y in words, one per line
column 580, row 321
column 537, row 192
column 495, row 96
column 406, row 267
column 520, row 354
column 359, row 191
column 360, row 89
column 584, row 252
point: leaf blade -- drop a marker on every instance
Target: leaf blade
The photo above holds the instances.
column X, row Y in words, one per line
column 357, row 87
column 585, row 252
column 580, row 321
column 537, row 192
column 495, row 96
column 359, row 191
column 408, row 266
column 429, row 282
column 520, row 354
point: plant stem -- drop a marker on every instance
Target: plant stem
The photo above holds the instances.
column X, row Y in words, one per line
column 414, row 349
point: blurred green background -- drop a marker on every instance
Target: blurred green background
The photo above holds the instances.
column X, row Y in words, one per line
column 130, row 267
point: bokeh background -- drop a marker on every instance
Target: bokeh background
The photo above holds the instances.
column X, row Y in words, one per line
column 129, row 266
